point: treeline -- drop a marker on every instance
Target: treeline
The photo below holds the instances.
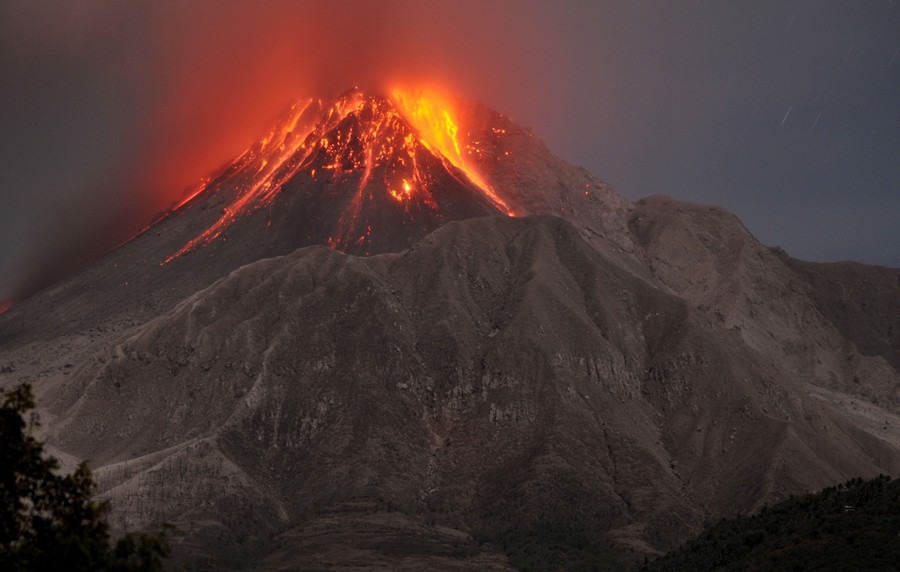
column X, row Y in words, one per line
column 852, row 526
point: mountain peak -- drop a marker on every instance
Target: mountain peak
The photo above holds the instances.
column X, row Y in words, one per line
column 379, row 159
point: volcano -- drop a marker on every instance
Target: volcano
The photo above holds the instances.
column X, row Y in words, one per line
column 363, row 174
column 353, row 173
column 396, row 332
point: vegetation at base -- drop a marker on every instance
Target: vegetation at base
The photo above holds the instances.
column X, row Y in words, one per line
column 47, row 519
column 853, row 526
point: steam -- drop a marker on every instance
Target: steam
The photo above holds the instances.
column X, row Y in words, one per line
column 118, row 107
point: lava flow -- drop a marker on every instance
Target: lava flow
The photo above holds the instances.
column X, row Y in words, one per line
column 439, row 131
column 400, row 148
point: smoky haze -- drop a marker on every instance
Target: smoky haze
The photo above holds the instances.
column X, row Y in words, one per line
column 116, row 108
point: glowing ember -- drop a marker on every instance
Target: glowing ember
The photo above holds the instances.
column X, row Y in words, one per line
column 404, row 193
column 5, row 305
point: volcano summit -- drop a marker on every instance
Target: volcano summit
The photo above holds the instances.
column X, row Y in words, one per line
column 397, row 333
column 354, row 171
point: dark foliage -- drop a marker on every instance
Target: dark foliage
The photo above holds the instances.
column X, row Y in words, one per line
column 47, row 519
column 853, row 526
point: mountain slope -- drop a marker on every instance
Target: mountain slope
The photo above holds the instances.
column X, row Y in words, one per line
column 813, row 320
column 500, row 374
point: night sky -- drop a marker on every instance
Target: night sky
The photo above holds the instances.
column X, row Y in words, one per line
column 785, row 112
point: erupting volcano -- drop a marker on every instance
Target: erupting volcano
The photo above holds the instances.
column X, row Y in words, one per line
column 360, row 173
column 354, row 171
column 486, row 384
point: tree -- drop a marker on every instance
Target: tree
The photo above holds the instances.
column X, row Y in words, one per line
column 47, row 519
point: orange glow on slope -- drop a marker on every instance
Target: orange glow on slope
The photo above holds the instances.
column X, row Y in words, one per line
column 433, row 117
column 265, row 160
column 404, row 193
column 4, row 306
column 269, row 163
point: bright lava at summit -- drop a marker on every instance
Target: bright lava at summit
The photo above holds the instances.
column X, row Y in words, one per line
column 352, row 134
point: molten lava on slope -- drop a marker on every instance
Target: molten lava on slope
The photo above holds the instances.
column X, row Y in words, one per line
column 375, row 160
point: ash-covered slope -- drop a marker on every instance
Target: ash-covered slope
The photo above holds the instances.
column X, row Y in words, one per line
column 832, row 326
column 497, row 391
column 501, row 377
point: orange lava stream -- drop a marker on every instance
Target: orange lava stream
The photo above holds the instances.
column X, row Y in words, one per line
column 270, row 153
column 195, row 190
column 433, row 117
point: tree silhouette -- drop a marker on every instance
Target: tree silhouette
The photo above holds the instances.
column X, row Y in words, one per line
column 47, row 519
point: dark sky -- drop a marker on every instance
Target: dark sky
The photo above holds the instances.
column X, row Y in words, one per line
column 785, row 112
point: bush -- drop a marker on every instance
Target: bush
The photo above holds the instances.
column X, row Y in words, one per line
column 48, row 520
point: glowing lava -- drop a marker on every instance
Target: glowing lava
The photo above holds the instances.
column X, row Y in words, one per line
column 4, row 306
column 376, row 144
column 379, row 144
column 433, row 117
column 259, row 174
